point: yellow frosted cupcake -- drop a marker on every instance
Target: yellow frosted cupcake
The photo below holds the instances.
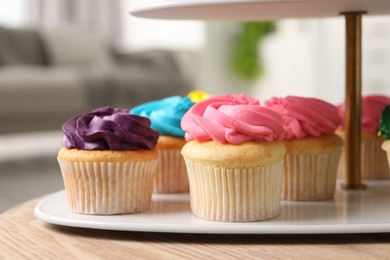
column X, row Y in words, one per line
column 373, row 159
column 108, row 162
column 312, row 149
column 165, row 116
column 198, row 95
column 233, row 160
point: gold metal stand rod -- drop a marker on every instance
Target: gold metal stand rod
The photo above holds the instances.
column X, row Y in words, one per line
column 353, row 100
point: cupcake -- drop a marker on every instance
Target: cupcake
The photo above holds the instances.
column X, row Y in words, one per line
column 108, row 162
column 198, row 95
column 384, row 127
column 165, row 116
column 312, row 148
column 373, row 159
column 234, row 161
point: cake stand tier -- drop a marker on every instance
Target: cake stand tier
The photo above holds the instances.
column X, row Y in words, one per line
column 253, row 9
column 352, row 10
column 348, row 212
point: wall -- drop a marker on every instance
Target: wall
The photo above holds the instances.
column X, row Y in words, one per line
column 304, row 57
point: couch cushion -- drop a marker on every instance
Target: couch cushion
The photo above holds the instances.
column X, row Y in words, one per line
column 31, row 91
column 21, row 47
column 76, row 46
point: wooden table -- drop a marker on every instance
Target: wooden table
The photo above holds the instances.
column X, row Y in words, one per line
column 23, row 236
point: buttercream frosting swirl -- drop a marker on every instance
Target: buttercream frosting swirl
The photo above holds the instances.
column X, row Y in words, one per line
column 372, row 107
column 198, row 95
column 165, row 114
column 109, row 129
column 303, row 116
column 231, row 118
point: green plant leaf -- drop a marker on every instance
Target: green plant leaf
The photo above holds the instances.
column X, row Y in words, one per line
column 384, row 123
column 246, row 63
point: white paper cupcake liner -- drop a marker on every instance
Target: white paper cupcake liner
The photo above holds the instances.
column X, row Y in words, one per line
column 235, row 195
column 385, row 147
column 310, row 176
column 171, row 176
column 108, row 187
column 374, row 163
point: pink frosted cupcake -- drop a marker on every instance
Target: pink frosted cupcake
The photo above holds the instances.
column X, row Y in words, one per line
column 312, row 148
column 373, row 159
column 233, row 159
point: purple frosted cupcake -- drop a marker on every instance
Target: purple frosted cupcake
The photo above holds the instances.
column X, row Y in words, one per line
column 108, row 162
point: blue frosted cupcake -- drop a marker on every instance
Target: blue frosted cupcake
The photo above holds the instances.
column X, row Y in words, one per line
column 165, row 116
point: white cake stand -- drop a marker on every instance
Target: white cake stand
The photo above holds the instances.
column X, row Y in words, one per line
column 253, row 9
column 352, row 10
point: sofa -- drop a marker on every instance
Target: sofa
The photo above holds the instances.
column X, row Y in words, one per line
column 48, row 76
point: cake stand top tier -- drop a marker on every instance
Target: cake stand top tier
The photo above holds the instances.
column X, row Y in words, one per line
column 253, row 9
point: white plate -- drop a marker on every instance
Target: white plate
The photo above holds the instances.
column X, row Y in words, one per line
column 253, row 9
column 365, row 211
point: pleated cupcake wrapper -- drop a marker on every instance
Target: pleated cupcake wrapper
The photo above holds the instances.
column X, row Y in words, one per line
column 388, row 158
column 171, row 176
column 374, row 163
column 108, row 187
column 387, row 153
column 235, row 195
column 309, row 177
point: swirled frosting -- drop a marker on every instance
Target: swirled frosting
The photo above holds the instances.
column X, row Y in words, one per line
column 165, row 114
column 372, row 107
column 302, row 116
column 198, row 95
column 108, row 129
column 231, row 118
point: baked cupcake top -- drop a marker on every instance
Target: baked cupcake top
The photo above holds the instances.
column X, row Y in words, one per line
column 165, row 114
column 302, row 116
column 384, row 123
column 372, row 107
column 231, row 118
column 108, row 129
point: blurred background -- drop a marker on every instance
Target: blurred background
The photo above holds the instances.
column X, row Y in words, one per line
column 63, row 57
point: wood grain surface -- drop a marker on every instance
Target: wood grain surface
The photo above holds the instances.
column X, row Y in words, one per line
column 23, row 236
